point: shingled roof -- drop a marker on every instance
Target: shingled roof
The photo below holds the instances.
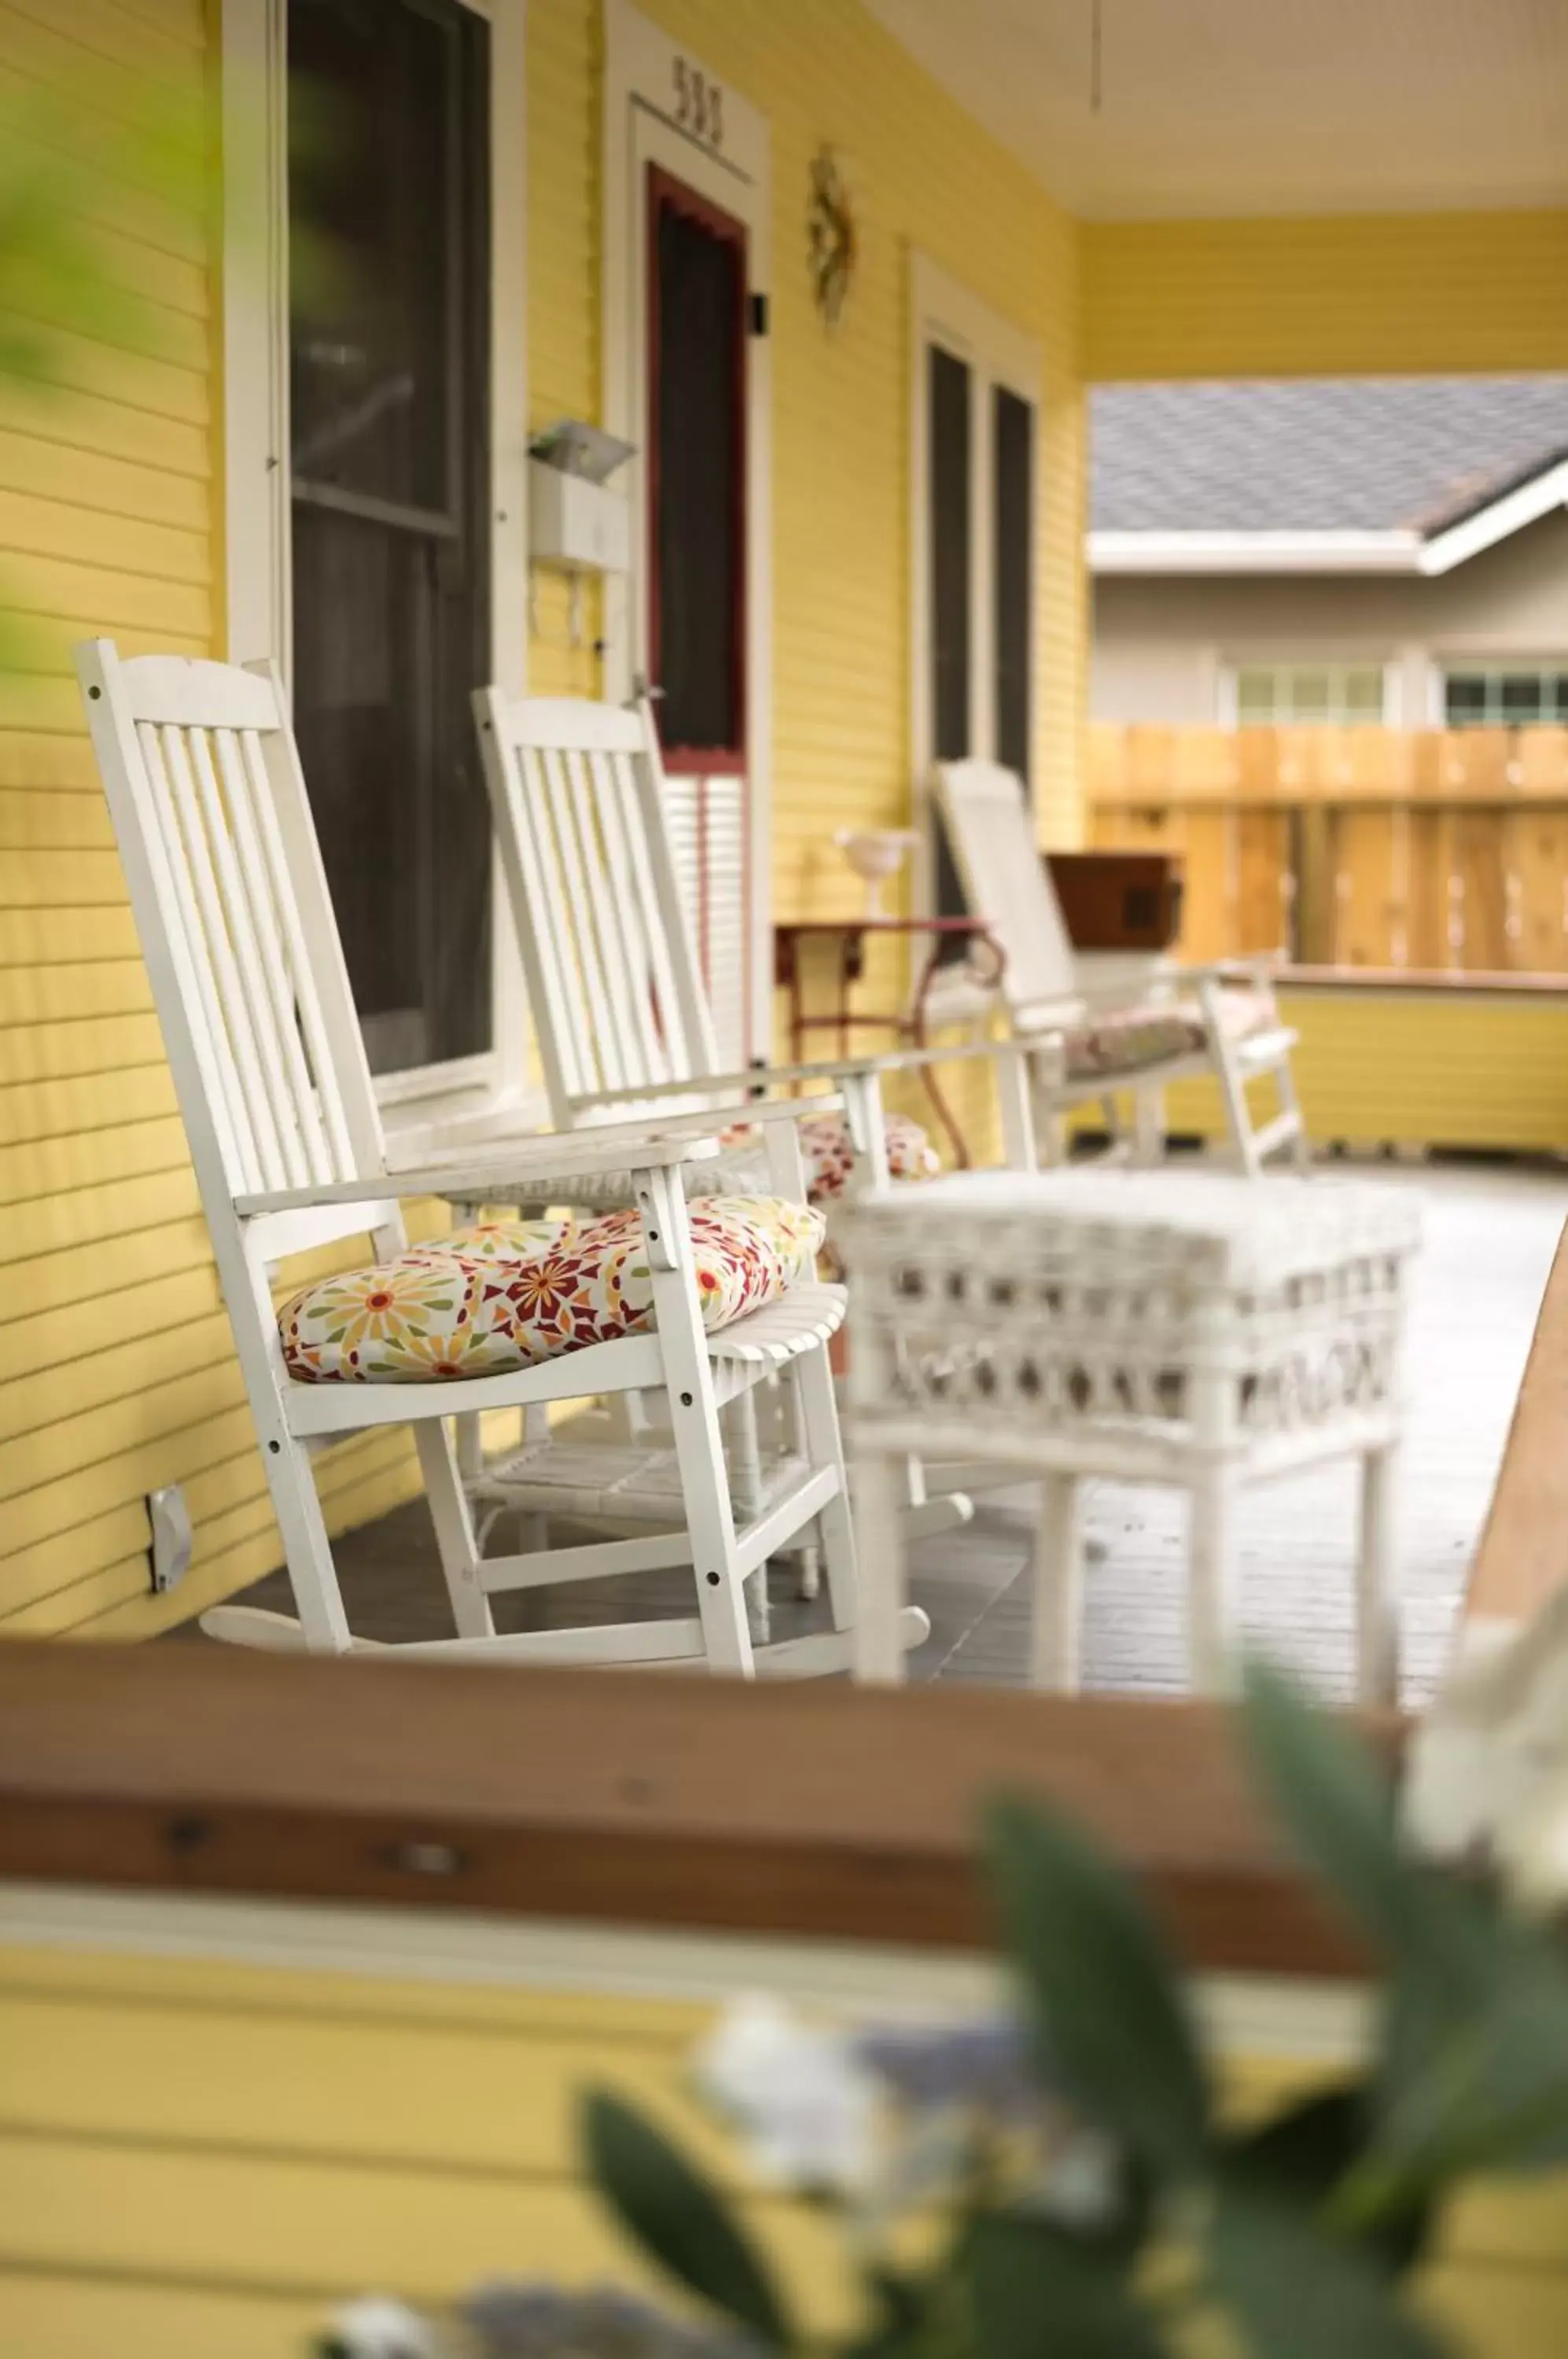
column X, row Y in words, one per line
column 1336, row 455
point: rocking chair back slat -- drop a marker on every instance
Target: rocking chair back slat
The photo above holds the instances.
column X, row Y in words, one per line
column 577, row 858
column 202, row 1013
column 576, row 790
column 646, row 1050
column 243, row 957
column 245, row 782
column 990, row 834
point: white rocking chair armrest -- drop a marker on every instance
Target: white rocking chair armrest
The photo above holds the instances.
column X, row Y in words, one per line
column 1266, row 966
column 544, row 1165
column 767, row 1078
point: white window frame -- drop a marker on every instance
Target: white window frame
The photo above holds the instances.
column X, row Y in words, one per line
column 495, row 1085
column 1232, row 666
column 943, row 311
column 649, row 80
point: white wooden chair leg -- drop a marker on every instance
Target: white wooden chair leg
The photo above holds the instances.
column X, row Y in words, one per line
column 1232, row 1083
column 819, row 1417
column 743, row 1464
column 789, row 1434
column 698, row 1450
column 454, row 1530
column 1291, row 1104
column 1056, row 1643
column 878, row 1652
column 307, row 1552
column 469, row 1450
column 1015, row 1100
column 1149, row 1128
column 1211, row 1579
column 1377, row 1580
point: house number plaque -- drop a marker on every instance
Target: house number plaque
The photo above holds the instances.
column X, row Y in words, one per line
column 699, row 103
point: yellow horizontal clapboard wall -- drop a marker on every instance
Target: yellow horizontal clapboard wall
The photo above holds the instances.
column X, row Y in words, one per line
column 115, row 1373
column 1380, row 1065
column 199, row 2157
column 922, row 176
column 114, row 1370
column 1353, row 295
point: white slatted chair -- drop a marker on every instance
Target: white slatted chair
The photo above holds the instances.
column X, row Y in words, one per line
column 1193, row 1020
column 581, row 821
column 231, row 903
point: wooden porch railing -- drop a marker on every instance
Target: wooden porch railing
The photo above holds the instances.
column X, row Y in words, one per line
column 1439, row 850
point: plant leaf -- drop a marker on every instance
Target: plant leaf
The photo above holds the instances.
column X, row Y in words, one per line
column 1334, row 1804
column 1301, row 2292
column 1038, row 2289
column 1477, row 2078
column 1304, row 2153
column 1107, row 2006
column 679, row 2217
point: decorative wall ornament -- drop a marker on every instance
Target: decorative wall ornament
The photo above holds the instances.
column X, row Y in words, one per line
column 830, row 220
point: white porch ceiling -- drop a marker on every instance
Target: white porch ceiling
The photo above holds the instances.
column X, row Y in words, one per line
column 1213, row 107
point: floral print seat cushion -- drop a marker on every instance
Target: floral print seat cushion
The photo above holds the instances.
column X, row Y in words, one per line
column 442, row 1312
column 829, row 1157
column 1130, row 1038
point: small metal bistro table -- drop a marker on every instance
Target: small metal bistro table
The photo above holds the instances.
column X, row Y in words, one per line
column 789, row 941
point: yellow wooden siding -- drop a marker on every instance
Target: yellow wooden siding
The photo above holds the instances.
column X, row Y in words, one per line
column 1357, row 295
column 1386, row 1068
column 116, row 1369
column 199, row 2157
column 922, row 176
column 115, row 1372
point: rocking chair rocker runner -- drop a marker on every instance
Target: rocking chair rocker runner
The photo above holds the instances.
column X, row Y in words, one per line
column 1219, row 1020
column 231, row 902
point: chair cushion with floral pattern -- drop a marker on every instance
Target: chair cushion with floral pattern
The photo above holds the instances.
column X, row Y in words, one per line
column 829, row 1157
column 1128, row 1039
column 437, row 1314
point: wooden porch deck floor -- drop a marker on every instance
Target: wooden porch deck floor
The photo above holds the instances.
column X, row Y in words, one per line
column 1491, row 1233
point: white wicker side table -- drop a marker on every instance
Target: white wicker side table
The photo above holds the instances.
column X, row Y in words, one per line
column 1190, row 1329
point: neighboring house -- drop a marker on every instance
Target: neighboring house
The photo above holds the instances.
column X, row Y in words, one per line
column 1344, row 551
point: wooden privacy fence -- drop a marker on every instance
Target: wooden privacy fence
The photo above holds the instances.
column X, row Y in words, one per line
column 1428, row 850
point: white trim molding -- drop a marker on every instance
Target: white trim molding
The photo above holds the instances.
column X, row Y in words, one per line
column 1524, row 505
column 1254, row 552
column 944, row 311
column 258, row 524
column 1332, row 552
column 663, row 105
column 1273, row 2018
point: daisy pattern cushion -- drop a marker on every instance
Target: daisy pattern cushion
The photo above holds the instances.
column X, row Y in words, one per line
column 436, row 1315
column 507, row 1239
column 829, row 1157
column 1131, row 1037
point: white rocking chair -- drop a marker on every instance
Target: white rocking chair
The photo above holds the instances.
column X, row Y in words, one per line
column 580, row 819
column 1193, row 1020
column 236, row 924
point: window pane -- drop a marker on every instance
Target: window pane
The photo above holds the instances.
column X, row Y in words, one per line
column 1522, row 697
column 1363, row 694
column 949, row 385
column 1311, row 696
column 698, row 623
column 1464, row 699
column 1013, row 436
column 1560, row 701
column 950, row 538
column 389, row 351
column 374, row 286
column 1253, row 698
